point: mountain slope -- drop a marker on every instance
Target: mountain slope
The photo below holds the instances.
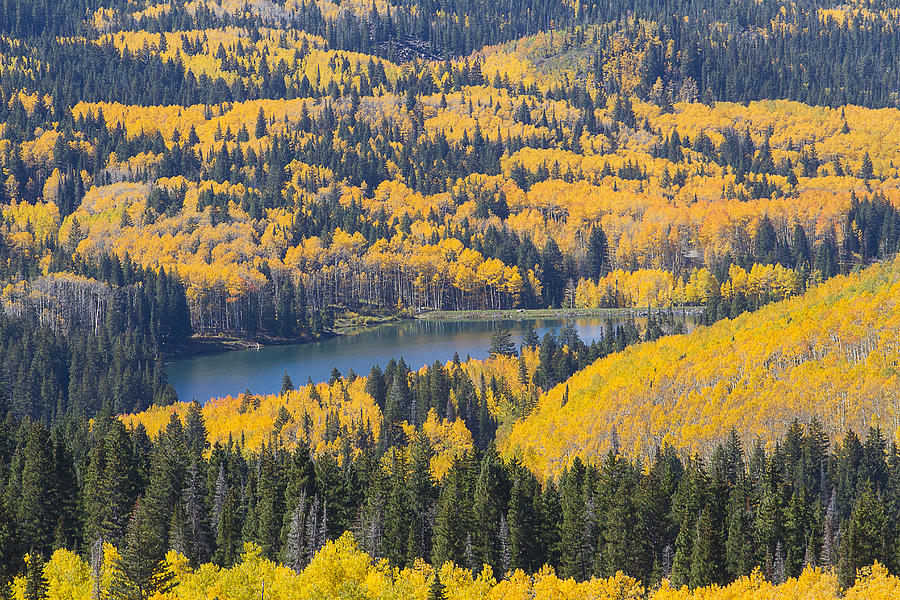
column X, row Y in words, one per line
column 830, row 354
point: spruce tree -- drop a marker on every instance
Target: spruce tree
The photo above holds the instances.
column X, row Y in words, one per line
column 195, row 432
column 864, row 541
column 501, row 342
column 421, row 492
column 866, row 170
column 228, row 532
column 489, row 504
column 10, row 548
column 397, row 510
column 552, row 278
column 437, row 591
column 524, row 522
column 261, row 129
column 197, row 515
column 117, row 483
column 704, row 557
column 530, row 339
column 139, row 571
column 270, row 503
column 739, row 555
column 37, row 514
column 286, row 384
column 573, row 561
column 35, row 581
column 596, row 259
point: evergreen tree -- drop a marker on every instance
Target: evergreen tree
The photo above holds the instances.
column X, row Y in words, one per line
column 421, row 492
column 864, row 541
column 37, row 514
column 10, row 549
column 704, row 558
column 551, row 276
column 501, row 342
column 270, row 503
column 866, row 170
column 529, row 337
column 140, row 571
column 454, row 517
column 739, row 552
column 261, row 129
column 195, row 432
column 765, row 242
column 35, row 581
column 489, row 504
column 574, row 562
column 596, row 259
column 286, row 384
column 524, row 522
column 197, row 516
column 437, row 591
column 228, row 532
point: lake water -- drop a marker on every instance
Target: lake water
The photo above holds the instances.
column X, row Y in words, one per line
column 418, row 342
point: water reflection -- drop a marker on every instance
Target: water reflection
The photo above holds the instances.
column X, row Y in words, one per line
column 418, row 342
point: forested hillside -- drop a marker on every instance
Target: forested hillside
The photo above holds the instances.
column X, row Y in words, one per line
column 830, row 354
column 184, row 175
column 285, row 177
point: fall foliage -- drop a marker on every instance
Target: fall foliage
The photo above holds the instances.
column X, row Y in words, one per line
column 341, row 570
column 829, row 354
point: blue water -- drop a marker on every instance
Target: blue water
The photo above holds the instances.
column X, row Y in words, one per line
column 418, row 342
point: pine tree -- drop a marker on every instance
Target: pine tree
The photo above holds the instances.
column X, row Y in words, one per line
column 261, row 129
column 501, row 342
column 687, row 504
column 738, row 546
column 117, row 484
column 286, row 384
column 778, row 566
column 37, row 498
column 452, row 525
column 10, row 548
column 596, row 259
column 505, row 549
column 35, row 581
column 421, row 492
column 195, row 509
column 270, row 504
column 864, row 541
column 703, row 559
column 551, row 277
column 397, row 509
column 167, row 477
column 228, row 532
column 437, row 591
column 573, row 562
column 489, row 504
column 866, row 171
column 529, row 337
column 293, row 547
column 140, row 572
column 525, row 551
column 195, row 432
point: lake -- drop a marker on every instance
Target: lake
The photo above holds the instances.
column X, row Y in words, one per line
column 419, row 342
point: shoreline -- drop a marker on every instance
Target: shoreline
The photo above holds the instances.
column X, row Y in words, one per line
column 203, row 344
column 522, row 314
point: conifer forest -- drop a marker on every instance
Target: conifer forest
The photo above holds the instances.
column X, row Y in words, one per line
column 714, row 187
